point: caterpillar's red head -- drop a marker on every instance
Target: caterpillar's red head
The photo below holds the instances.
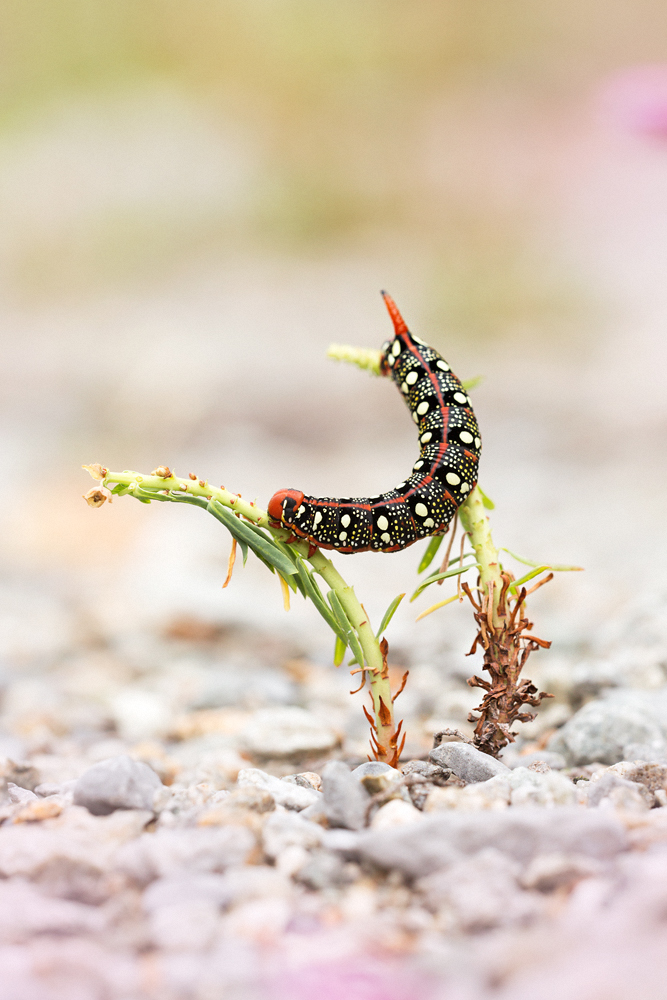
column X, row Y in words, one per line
column 284, row 504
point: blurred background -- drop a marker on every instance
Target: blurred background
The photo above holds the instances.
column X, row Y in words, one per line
column 196, row 198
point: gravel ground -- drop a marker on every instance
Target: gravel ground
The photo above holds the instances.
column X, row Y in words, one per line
column 186, row 814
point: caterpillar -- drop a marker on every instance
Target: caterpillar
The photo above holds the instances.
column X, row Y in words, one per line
column 440, row 480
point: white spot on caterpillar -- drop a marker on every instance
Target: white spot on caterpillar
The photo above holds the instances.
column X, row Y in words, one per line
column 383, row 523
column 345, row 520
column 396, row 348
column 465, row 488
column 415, row 418
column 390, row 360
column 478, row 442
column 386, row 537
column 343, row 536
column 453, row 479
column 421, row 509
column 425, row 438
column 404, row 387
column 429, row 522
column 417, row 340
column 411, row 378
column 318, row 517
column 418, row 464
column 301, row 511
column 466, row 437
column 423, row 408
column 443, row 366
column 460, row 398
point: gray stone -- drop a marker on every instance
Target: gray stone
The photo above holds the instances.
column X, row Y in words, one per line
column 285, row 733
column 478, row 893
column 171, row 852
column 285, row 793
column 289, row 829
column 346, row 801
column 556, row 761
column 118, row 783
column 440, row 840
column 603, row 729
column 372, row 767
column 323, row 870
column 467, row 762
column 549, row 872
column 617, row 791
column 433, row 773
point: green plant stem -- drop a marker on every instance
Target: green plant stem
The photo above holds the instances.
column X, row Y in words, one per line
column 379, row 680
column 475, row 522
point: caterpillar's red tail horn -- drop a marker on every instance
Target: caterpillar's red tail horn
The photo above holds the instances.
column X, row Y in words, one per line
column 396, row 318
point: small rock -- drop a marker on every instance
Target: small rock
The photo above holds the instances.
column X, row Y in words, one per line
column 549, row 872
column 346, row 801
column 371, row 767
column 395, row 813
column 21, row 774
column 22, row 795
column 287, row 732
column 292, row 796
column 540, row 788
column 288, row 829
column 40, row 809
column 442, row 838
column 555, row 761
column 118, row 783
column 603, row 729
column 307, row 779
column 467, row 762
column 433, row 773
column 478, row 893
column 323, row 870
column 169, row 852
column 494, row 793
column 611, row 789
column 652, row 775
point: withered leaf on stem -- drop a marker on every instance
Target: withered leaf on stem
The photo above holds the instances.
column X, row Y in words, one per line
column 95, row 498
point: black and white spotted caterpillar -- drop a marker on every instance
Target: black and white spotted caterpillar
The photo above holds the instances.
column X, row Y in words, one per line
column 441, row 478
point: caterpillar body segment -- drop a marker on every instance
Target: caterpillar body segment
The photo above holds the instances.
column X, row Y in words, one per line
column 440, row 480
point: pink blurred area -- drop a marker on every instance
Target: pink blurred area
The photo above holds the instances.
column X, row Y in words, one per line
column 636, row 99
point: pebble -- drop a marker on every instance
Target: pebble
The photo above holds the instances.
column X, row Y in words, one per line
column 396, row 812
column 166, row 852
column 289, row 829
column 605, row 729
column 478, row 893
column 467, row 762
column 285, row 793
column 346, row 801
column 290, row 732
column 613, row 790
column 441, row 839
column 118, row 783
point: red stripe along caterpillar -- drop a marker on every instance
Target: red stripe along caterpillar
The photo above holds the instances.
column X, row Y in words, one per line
column 441, row 478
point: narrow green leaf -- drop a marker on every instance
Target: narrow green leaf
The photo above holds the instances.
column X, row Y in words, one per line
column 346, row 625
column 389, row 614
column 441, row 576
column 315, row 594
column 529, row 576
column 472, row 383
column 487, row 501
column 263, row 547
column 339, row 651
column 556, row 569
column 430, row 553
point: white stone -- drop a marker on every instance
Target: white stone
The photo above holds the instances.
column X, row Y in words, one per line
column 395, row 813
column 287, row 732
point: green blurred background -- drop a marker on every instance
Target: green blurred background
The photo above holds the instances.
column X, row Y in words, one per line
column 197, row 196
